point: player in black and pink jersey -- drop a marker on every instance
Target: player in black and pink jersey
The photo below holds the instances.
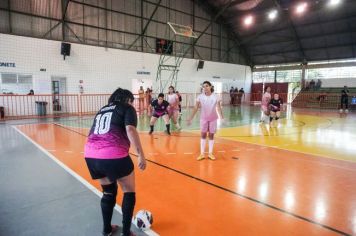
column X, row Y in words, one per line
column 159, row 109
column 275, row 107
column 108, row 160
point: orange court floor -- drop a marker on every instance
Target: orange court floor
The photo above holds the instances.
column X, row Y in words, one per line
column 296, row 179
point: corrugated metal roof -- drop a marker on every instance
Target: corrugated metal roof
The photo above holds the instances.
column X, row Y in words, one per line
column 321, row 33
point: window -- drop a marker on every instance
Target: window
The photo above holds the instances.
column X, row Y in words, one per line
column 289, row 76
column 15, row 83
column 265, row 76
column 331, row 73
column 281, row 76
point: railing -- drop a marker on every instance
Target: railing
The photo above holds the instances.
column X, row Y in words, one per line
column 28, row 106
column 322, row 100
column 34, row 106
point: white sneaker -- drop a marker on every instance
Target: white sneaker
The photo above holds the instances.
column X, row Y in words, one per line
column 340, row 111
column 178, row 127
column 346, row 111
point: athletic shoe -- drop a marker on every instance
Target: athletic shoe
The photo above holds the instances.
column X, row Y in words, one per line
column 114, row 228
column 178, row 127
column 167, row 132
column 211, row 156
column 200, row 157
column 131, row 234
column 150, row 132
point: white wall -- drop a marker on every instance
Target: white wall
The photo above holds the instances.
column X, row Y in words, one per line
column 102, row 69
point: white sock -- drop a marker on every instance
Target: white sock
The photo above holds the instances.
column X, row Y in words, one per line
column 266, row 119
column 211, row 146
column 202, row 145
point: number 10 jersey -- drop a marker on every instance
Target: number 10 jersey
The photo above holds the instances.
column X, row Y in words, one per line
column 107, row 137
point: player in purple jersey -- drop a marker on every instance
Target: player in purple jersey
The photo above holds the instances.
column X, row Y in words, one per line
column 108, row 160
column 159, row 108
column 275, row 107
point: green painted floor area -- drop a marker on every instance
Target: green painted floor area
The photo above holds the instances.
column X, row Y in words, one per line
column 234, row 116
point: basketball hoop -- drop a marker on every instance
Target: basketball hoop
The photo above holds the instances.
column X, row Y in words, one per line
column 182, row 30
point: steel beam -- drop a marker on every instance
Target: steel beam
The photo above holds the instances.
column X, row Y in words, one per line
column 310, row 66
column 306, row 37
column 306, row 49
column 292, row 27
column 301, row 25
column 147, row 24
column 9, row 9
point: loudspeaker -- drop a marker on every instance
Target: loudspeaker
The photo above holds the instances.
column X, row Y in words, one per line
column 65, row 49
column 201, row 65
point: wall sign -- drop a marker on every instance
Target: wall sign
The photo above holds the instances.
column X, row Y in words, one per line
column 143, row 72
column 7, row 64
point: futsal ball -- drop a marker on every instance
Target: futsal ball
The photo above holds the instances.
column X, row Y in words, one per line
column 143, row 220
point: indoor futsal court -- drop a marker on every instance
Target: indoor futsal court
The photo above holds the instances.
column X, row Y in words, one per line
column 270, row 83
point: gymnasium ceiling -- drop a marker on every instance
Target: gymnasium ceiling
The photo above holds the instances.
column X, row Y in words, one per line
column 322, row 32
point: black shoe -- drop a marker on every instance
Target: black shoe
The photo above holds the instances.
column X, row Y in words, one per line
column 114, row 228
column 131, row 234
column 167, row 132
column 151, row 131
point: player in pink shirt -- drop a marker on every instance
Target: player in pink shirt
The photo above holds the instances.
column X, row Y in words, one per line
column 108, row 160
column 173, row 112
column 266, row 98
column 210, row 106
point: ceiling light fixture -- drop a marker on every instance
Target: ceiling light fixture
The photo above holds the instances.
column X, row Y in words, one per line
column 272, row 14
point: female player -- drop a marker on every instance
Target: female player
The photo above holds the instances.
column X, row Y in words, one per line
column 210, row 106
column 276, row 105
column 173, row 111
column 160, row 108
column 266, row 98
column 108, row 160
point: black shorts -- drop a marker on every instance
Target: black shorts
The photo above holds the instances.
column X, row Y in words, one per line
column 158, row 115
column 113, row 169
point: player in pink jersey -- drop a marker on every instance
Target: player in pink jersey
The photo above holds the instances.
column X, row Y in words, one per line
column 173, row 111
column 108, row 160
column 266, row 98
column 210, row 106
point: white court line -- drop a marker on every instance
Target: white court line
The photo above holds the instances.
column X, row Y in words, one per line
column 188, row 153
column 69, row 151
column 78, row 177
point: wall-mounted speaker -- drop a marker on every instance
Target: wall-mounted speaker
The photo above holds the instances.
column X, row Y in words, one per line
column 200, row 65
column 65, row 49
